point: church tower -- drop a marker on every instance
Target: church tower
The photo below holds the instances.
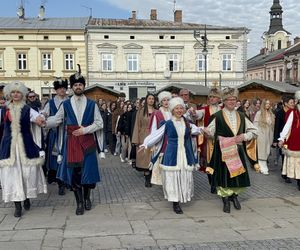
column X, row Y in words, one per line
column 276, row 37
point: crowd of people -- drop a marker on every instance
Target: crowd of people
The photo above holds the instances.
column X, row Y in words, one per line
column 62, row 140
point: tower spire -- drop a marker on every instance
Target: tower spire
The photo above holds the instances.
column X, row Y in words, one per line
column 275, row 17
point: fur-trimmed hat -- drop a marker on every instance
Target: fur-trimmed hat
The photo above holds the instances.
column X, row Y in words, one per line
column 77, row 77
column 15, row 86
column 164, row 94
column 230, row 92
column 174, row 102
column 60, row 83
column 297, row 95
column 215, row 92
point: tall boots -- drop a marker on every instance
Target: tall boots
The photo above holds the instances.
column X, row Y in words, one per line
column 18, row 209
column 177, row 209
column 27, row 204
column 79, row 201
column 226, row 203
column 61, row 188
column 235, row 201
column 148, row 179
column 87, row 200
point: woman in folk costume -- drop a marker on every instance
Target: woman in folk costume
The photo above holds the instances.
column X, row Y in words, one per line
column 290, row 143
column 264, row 120
column 179, row 160
column 233, row 136
column 21, row 158
column 140, row 131
column 55, row 135
column 157, row 118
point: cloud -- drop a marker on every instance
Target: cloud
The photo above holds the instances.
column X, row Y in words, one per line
column 253, row 14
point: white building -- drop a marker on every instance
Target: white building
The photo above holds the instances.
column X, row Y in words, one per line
column 137, row 56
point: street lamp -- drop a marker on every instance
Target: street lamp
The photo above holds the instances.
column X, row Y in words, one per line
column 203, row 43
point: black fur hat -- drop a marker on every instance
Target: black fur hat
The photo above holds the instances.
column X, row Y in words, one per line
column 60, row 83
column 77, row 77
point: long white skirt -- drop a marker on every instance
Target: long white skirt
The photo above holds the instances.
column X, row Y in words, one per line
column 19, row 182
column 291, row 167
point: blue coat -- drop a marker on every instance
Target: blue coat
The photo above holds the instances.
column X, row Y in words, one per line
column 169, row 160
column 90, row 173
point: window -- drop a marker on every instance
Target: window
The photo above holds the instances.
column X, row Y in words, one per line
column 172, row 37
column 22, row 61
column 274, row 75
column 69, row 61
column 68, row 37
column 269, row 75
column 21, row 37
column 106, row 62
column 132, row 37
column 280, row 75
column 227, row 37
column 173, row 63
column 201, row 62
column 227, row 62
column 1, row 61
column 261, row 76
column 46, row 61
column 133, row 63
column 279, row 44
column 46, row 37
column 106, row 36
column 161, row 37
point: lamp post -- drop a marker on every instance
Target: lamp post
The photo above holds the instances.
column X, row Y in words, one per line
column 203, row 43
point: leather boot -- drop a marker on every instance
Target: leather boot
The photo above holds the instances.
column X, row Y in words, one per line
column 87, row 200
column 18, row 209
column 226, row 203
column 27, row 204
column 79, row 201
column 148, row 181
column 61, row 189
column 235, row 201
column 177, row 209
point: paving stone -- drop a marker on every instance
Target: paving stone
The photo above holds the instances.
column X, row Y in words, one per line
column 21, row 245
column 25, row 235
column 53, row 238
column 9, row 222
column 107, row 242
column 137, row 241
column 32, row 221
column 71, row 244
column 139, row 227
column 6, row 235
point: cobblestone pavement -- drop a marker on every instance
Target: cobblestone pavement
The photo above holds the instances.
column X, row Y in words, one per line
column 126, row 215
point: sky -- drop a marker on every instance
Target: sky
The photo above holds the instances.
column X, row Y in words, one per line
column 253, row 14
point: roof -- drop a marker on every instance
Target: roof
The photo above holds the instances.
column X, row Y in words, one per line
column 71, row 23
column 261, row 59
column 152, row 24
column 276, row 86
column 106, row 89
column 195, row 89
column 294, row 50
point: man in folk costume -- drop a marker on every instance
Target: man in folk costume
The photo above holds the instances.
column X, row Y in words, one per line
column 290, row 143
column 54, row 137
column 205, row 144
column 82, row 119
column 233, row 136
column 21, row 156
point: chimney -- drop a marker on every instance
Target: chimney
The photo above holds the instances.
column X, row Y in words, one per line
column 21, row 12
column 41, row 15
column 133, row 13
column 263, row 51
column 296, row 39
column 288, row 44
column 153, row 15
column 178, row 16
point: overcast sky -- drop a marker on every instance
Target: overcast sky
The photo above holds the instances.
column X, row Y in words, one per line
column 253, row 14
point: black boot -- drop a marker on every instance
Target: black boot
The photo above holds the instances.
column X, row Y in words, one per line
column 226, row 203
column 18, row 209
column 235, row 201
column 298, row 183
column 27, row 204
column 79, row 201
column 61, row 189
column 288, row 180
column 148, row 181
column 177, row 209
column 87, row 200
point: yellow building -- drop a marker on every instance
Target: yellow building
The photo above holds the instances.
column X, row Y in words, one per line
column 34, row 50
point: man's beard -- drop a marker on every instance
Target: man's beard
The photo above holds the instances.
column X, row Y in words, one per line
column 78, row 93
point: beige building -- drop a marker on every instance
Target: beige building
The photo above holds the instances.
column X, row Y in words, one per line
column 34, row 50
column 137, row 56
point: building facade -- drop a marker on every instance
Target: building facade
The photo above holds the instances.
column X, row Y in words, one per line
column 34, row 50
column 138, row 56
